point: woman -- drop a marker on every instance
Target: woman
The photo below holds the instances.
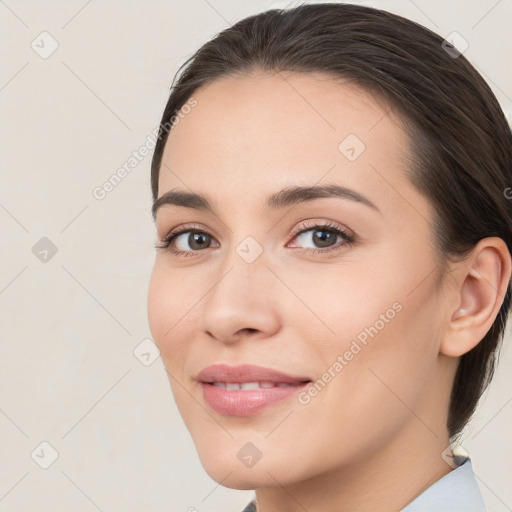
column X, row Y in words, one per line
column 332, row 278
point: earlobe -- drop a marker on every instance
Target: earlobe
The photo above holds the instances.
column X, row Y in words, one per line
column 481, row 284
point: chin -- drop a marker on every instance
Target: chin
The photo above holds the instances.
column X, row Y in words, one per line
column 239, row 465
column 240, row 478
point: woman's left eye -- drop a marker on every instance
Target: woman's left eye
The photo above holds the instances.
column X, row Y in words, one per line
column 323, row 235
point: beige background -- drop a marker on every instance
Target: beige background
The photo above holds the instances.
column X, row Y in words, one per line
column 70, row 325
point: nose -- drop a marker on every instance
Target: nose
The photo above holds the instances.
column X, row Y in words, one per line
column 243, row 302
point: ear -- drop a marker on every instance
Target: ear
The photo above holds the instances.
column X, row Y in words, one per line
column 481, row 282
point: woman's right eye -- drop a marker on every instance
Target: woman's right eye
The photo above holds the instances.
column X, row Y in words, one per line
column 196, row 239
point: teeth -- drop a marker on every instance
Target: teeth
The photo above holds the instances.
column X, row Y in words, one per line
column 248, row 385
column 234, row 386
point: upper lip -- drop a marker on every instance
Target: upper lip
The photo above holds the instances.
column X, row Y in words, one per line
column 245, row 373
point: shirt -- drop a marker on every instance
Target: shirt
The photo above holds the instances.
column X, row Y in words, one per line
column 457, row 491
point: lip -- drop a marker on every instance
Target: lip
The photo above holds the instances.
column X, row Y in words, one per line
column 246, row 402
column 246, row 373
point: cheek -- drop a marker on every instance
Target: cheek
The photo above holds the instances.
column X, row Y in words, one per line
column 165, row 305
column 168, row 311
column 362, row 385
column 370, row 339
column 157, row 305
column 338, row 303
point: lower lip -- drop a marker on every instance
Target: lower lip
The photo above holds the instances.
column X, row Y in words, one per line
column 246, row 402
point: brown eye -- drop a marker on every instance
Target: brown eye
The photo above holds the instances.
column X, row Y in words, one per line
column 197, row 240
column 322, row 236
column 187, row 241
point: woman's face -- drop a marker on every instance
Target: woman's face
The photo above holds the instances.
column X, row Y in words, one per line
column 361, row 320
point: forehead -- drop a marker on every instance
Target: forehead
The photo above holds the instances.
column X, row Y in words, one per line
column 284, row 108
column 262, row 132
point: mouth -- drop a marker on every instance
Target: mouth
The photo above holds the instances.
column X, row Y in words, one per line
column 247, row 389
column 248, row 374
column 235, row 386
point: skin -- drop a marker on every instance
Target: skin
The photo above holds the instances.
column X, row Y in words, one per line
column 354, row 445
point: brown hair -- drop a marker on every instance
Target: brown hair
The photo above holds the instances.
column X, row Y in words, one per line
column 461, row 141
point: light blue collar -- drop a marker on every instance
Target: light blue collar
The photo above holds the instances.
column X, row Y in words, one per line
column 457, row 491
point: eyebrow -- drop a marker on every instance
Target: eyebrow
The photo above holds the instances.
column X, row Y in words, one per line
column 288, row 196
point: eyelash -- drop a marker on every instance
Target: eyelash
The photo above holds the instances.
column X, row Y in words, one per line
column 328, row 227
